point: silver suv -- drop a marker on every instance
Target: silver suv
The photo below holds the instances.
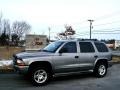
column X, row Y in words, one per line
column 64, row 57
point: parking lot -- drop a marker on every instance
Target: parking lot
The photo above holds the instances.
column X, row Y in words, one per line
column 13, row 81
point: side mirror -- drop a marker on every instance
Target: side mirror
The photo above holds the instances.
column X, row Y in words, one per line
column 63, row 50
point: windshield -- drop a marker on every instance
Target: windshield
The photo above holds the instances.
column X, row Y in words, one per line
column 53, row 46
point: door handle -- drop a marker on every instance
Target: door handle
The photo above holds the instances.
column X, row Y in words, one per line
column 95, row 56
column 76, row 56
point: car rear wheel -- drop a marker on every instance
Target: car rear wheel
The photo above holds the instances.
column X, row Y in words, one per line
column 100, row 70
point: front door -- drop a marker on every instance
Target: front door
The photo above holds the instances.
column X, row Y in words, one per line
column 66, row 59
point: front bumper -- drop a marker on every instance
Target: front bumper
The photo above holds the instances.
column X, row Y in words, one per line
column 21, row 69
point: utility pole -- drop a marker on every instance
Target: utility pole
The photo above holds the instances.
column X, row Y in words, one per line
column 49, row 33
column 90, row 26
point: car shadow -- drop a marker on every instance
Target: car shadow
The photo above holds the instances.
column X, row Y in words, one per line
column 70, row 78
column 61, row 79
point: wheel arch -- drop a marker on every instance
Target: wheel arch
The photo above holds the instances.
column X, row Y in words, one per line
column 45, row 64
column 101, row 60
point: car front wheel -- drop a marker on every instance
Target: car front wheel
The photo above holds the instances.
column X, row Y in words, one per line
column 40, row 76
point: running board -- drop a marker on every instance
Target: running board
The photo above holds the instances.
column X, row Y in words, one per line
column 72, row 73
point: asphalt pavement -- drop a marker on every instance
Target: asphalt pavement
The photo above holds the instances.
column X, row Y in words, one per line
column 13, row 81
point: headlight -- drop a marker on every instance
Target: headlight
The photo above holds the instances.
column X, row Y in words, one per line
column 20, row 62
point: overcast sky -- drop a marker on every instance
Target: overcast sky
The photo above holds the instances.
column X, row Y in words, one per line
column 41, row 14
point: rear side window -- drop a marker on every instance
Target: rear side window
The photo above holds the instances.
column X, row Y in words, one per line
column 101, row 47
column 86, row 47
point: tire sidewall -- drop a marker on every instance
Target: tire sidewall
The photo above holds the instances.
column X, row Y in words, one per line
column 96, row 70
column 33, row 80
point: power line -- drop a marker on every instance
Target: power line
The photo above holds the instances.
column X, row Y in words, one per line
column 82, row 35
column 101, row 32
column 103, row 17
column 107, row 29
column 105, row 33
column 102, row 24
column 108, row 23
column 108, row 16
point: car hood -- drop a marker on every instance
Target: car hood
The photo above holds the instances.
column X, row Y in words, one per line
column 33, row 54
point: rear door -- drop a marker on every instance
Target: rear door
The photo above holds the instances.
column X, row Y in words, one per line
column 87, row 55
column 103, row 51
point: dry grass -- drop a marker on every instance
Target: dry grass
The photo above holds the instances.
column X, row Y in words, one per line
column 116, row 58
column 7, row 52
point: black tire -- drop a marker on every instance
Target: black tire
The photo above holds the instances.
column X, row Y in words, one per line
column 39, row 79
column 100, row 69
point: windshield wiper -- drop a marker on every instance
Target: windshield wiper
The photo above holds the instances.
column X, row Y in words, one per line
column 46, row 50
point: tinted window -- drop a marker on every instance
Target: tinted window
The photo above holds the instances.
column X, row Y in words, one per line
column 101, row 47
column 69, row 47
column 86, row 47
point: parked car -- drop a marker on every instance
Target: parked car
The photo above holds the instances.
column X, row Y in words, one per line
column 64, row 57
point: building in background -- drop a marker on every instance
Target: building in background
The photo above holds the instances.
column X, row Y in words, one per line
column 35, row 42
column 117, row 44
column 112, row 46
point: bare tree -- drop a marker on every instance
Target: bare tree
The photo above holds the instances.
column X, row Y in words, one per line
column 9, row 32
column 6, row 26
column 20, row 28
column 0, row 23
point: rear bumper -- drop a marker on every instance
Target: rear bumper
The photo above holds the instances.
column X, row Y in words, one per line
column 21, row 69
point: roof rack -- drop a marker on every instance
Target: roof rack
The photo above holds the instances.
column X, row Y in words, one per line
column 78, row 39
